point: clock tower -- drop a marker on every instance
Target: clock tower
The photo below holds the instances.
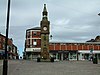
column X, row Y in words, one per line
column 45, row 31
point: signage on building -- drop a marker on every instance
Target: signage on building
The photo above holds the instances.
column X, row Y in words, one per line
column 36, row 50
column 91, row 50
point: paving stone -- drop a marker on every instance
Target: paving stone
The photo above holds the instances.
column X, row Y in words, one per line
column 25, row 67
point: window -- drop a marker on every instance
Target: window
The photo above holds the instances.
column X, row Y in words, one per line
column 9, row 48
column 34, row 42
column 4, row 40
column 34, row 33
column 45, row 45
column 0, row 45
column 28, row 41
column 28, row 34
column 0, row 39
column 3, row 46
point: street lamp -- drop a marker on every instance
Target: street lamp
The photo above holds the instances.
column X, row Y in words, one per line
column 99, row 14
column 51, row 37
column 5, row 61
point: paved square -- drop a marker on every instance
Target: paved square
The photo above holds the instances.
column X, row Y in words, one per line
column 24, row 67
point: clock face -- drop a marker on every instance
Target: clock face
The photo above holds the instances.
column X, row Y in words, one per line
column 45, row 28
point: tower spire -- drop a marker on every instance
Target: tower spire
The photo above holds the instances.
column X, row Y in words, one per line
column 44, row 13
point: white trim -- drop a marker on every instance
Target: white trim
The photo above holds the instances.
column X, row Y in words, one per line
column 30, row 41
column 33, row 49
column 76, row 42
column 35, row 30
column 85, row 51
column 31, row 34
column 33, row 38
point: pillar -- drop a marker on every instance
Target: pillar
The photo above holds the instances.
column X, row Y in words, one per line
column 31, row 56
column 56, row 55
column 77, row 56
column 69, row 56
column 61, row 56
column 80, row 56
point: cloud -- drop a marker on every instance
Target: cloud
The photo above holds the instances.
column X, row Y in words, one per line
column 70, row 20
column 61, row 22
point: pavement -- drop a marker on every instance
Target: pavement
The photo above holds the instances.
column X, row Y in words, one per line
column 26, row 67
column 0, row 62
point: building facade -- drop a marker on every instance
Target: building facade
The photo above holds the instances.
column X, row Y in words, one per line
column 11, row 48
column 32, row 43
column 75, row 51
column 35, row 42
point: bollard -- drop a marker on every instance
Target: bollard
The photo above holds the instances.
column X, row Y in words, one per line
column 95, row 61
column 38, row 59
column 52, row 59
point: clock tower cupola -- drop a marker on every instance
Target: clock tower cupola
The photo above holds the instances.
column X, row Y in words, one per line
column 44, row 13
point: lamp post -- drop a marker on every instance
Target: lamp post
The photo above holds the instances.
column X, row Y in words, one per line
column 51, row 37
column 99, row 14
column 5, row 61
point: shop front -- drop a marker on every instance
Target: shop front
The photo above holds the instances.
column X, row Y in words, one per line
column 87, row 55
column 32, row 55
column 64, row 54
column 1, row 54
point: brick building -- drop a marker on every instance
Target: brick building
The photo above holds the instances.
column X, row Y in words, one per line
column 60, row 50
column 75, row 50
column 33, row 42
column 11, row 48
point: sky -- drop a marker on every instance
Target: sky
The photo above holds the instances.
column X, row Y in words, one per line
column 70, row 20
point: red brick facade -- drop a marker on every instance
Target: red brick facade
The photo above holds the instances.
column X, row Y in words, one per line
column 11, row 48
column 74, row 46
column 32, row 38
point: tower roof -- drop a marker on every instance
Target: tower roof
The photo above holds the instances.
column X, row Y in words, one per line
column 45, row 10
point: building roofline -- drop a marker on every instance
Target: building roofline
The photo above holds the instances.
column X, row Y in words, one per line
column 78, row 42
column 35, row 28
column 2, row 35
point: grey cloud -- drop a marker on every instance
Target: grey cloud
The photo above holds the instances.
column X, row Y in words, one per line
column 71, row 20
